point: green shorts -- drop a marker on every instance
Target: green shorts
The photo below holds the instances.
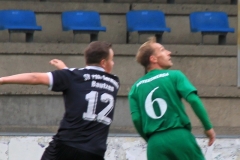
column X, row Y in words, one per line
column 175, row 144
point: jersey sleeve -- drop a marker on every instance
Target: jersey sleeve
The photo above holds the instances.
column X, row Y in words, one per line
column 184, row 86
column 136, row 113
column 59, row 80
column 199, row 110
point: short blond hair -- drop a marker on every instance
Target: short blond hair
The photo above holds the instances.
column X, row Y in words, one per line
column 145, row 51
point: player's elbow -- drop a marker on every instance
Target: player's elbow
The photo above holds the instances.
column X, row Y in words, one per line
column 193, row 99
column 192, row 102
column 38, row 78
column 34, row 79
column 135, row 118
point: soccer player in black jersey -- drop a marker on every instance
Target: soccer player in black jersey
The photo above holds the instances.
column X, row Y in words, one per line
column 89, row 98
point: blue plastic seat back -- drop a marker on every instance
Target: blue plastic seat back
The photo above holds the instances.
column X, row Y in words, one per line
column 2, row 20
column 209, row 21
column 80, row 19
column 145, row 19
column 18, row 19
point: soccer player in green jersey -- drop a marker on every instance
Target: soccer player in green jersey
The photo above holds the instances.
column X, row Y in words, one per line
column 157, row 111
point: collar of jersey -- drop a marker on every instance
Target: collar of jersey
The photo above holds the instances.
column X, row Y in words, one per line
column 95, row 68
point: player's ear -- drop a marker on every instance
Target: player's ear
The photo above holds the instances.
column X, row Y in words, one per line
column 153, row 58
column 103, row 63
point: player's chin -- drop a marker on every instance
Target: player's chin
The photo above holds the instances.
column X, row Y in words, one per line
column 170, row 64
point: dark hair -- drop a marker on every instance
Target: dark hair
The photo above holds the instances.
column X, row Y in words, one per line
column 97, row 51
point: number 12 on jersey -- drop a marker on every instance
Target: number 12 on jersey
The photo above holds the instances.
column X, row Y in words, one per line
column 101, row 117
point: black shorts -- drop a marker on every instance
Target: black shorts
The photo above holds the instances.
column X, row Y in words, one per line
column 59, row 151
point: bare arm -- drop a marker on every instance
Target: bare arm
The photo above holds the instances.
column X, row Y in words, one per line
column 58, row 64
column 26, row 78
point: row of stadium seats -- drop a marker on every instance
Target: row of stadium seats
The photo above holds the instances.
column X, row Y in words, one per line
column 144, row 1
column 141, row 21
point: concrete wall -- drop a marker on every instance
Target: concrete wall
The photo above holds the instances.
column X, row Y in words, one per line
column 24, row 108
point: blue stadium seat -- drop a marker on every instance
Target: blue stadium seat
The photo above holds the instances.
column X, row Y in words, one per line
column 147, row 21
column 19, row 21
column 215, row 23
column 82, row 22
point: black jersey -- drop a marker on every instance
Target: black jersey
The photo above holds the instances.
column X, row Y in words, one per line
column 89, row 97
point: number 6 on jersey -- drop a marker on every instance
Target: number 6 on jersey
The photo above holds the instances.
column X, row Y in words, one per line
column 149, row 105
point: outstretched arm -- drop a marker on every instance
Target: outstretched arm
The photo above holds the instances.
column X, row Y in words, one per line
column 201, row 113
column 26, row 78
column 58, row 64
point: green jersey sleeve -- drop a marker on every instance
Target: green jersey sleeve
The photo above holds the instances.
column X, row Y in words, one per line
column 183, row 85
column 199, row 110
column 135, row 113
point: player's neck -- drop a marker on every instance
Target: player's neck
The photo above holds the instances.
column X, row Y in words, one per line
column 154, row 67
column 95, row 67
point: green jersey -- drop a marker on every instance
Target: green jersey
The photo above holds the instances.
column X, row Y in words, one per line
column 157, row 98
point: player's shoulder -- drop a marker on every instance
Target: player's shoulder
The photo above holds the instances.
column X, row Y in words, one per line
column 177, row 75
column 68, row 70
column 104, row 74
column 98, row 74
column 134, row 87
column 71, row 72
column 136, row 82
column 112, row 76
column 175, row 72
column 77, row 70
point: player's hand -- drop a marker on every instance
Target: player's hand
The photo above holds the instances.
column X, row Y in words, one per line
column 1, row 81
column 211, row 136
column 58, row 64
